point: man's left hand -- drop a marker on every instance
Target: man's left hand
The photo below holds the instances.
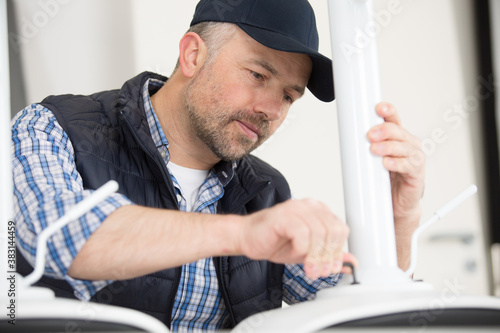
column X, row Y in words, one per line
column 403, row 157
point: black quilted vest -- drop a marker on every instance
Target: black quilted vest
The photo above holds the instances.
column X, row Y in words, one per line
column 111, row 139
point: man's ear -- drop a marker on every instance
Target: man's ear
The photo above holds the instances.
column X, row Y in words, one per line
column 192, row 54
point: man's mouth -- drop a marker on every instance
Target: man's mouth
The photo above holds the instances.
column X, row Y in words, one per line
column 250, row 130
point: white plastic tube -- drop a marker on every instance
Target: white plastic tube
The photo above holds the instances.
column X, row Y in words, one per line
column 367, row 190
column 438, row 215
column 78, row 210
column 6, row 209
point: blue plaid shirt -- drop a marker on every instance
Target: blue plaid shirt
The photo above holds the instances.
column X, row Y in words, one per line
column 46, row 184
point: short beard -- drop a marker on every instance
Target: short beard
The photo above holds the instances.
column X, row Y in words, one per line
column 216, row 136
column 212, row 126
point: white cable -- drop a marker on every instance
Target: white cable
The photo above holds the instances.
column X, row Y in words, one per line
column 78, row 210
column 439, row 214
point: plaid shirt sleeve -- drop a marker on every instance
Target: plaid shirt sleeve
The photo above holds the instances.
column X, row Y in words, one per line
column 297, row 287
column 46, row 185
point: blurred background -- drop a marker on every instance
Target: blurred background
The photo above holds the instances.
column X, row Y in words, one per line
column 437, row 65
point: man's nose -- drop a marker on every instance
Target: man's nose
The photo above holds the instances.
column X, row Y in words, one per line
column 270, row 103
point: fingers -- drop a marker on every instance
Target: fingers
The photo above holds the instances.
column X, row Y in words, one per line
column 401, row 151
column 389, row 131
column 297, row 231
column 388, row 112
column 405, row 157
column 350, row 258
column 402, row 155
column 391, row 148
column 327, row 238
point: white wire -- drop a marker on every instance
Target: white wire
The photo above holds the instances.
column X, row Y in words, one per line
column 78, row 210
column 439, row 214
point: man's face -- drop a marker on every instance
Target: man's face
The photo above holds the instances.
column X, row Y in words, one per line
column 237, row 101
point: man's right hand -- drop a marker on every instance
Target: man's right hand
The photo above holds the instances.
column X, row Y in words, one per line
column 297, row 231
column 135, row 241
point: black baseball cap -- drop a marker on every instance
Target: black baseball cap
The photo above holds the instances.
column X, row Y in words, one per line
column 283, row 25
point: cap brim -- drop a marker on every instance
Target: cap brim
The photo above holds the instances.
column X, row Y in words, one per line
column 321, row 80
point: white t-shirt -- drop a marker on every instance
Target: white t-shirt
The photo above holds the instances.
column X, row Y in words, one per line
column 190, row 181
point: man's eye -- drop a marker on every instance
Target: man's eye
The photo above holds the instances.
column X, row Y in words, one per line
column 288, row 98
column 257, row 76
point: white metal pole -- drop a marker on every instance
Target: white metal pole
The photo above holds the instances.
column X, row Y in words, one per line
column 367, row 188
column 6, row 209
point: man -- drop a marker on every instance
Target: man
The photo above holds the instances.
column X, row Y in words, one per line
column 200, row 230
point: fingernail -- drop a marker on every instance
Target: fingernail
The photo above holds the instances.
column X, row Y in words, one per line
column 382, row 107
column 378, row 148
column 375, row 134
column 326, row 270
column 312, row 271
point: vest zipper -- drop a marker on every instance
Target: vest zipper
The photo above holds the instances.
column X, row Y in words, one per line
column 225, row 297
column 152, row 155
column 222, row 285
column 166, row 176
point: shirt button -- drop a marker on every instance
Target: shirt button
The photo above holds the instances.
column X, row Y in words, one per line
column 163, row 154
column 179, row 198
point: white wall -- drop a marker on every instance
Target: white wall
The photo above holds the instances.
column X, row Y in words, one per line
column 72, row 46
column 427, row 65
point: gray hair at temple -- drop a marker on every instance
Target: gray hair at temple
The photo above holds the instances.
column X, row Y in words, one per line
column 214, row 34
